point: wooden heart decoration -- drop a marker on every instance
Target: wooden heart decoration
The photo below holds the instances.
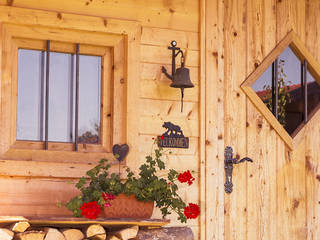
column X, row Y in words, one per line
column 120, row 151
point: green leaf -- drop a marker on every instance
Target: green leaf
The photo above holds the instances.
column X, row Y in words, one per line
column 81, row 182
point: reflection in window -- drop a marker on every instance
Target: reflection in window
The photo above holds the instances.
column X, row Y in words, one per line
column 282, row 87
column 61, row 92
column 61, row 110
column 89, row 99
column 313, row 95
column 30, row 96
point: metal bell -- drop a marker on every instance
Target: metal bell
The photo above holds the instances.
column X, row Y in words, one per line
column 181, row 78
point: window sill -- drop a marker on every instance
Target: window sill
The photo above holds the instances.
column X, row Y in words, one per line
column 59, row 146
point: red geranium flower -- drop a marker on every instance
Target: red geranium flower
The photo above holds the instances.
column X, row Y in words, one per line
column 107, row 196
column 192, row 211
column 186, row 177
column 90, row 210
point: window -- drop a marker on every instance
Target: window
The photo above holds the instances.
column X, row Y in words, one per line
column 69, row 120
column 62, row 102
column 115, row 46
column 285, row 87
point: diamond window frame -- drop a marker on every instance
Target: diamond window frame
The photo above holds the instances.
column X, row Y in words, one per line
column 296, row 45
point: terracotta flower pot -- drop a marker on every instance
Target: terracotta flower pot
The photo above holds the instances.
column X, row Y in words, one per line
column 124, row 206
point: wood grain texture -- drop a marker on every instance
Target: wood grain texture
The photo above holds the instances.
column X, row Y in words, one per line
column 158, row 13
column 37, row 197
column 161, row 54
column 235, row 42
column 163, row 37
column 312, row 157
column 275, row 197
column 291, row 211
column 213, row 72
column 27, row 16
column 261, row 137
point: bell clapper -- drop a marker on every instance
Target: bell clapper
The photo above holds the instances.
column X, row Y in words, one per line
column 182, row 95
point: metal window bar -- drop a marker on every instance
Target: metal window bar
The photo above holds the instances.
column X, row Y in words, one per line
column 302, row 88
column 76, row 100
column 275, row 90
column 42, row 97
column 47, row 94
column 71, row 99
column 305, row 89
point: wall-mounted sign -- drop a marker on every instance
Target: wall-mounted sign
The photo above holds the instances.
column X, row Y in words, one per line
column 173, row 137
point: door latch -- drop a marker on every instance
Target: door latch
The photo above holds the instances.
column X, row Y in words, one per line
column 228, row 167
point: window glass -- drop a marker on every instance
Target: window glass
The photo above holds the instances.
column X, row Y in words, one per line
column 290, row 77
column 30, row 95
column 290, row 95
column 313, row 95
column 62, row 92
column 89, row 99
column 263, row 85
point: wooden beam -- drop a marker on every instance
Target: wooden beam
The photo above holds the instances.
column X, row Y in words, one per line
column 36, row 221
column 25, row 16
column 71, row 36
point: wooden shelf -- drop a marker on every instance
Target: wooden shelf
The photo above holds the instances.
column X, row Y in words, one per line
column 70, row 221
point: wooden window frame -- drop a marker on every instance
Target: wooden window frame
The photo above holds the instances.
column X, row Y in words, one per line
column 290, row 40
column 123, row 37
column 105, row 53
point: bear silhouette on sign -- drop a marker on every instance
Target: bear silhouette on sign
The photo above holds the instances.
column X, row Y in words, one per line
column 172, row 130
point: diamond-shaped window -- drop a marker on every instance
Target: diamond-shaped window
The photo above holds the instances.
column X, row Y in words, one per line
column 285, row 88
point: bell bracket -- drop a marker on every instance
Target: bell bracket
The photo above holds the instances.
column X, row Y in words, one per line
column 173, row 48
column 228, row 167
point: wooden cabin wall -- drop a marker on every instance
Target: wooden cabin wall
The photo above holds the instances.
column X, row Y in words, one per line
column 162, row 22
column 276, row 197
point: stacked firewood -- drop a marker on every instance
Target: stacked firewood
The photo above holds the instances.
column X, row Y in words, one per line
column 23, row 231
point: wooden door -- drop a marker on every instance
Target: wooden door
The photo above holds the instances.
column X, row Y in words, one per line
column 276, row 196
column 269, row 196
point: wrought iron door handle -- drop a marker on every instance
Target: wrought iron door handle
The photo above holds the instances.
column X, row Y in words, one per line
column 228, row 167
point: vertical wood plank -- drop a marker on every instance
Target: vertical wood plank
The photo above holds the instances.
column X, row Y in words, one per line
column 214, row 109
column 291, row 211
column 132, row 88
column 235, row 44
column 118, row 86
column 107, row 83
column 312, row 182
column 312, row 157
column 291, row 205
column 298, row 16
column 14, row 89
column 284, row 24
column 313, row 28
column 283, row 204
column 202, row 122
column 270, row 162
column 6, row 91
column 261, row 138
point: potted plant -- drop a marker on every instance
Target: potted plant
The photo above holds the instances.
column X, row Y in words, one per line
column 101, row 190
